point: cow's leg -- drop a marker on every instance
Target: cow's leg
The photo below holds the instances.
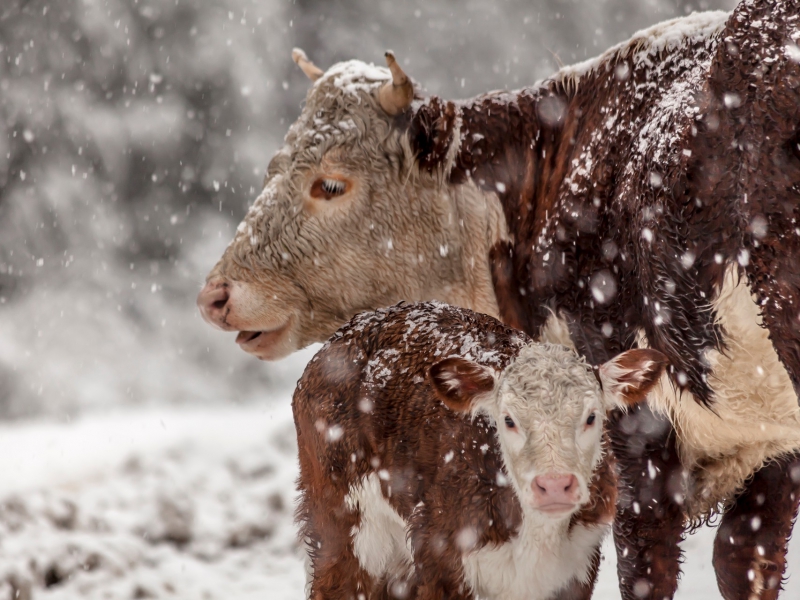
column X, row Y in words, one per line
column 578, row 590
column 649, row 522
column 334, row 571
column 750, row 547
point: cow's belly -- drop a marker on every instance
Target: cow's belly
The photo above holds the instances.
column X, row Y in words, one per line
column 754, row 416
column 535, row 564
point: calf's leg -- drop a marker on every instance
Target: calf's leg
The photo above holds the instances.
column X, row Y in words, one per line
column 750, row 547
column 649, row 523
column 336, row 573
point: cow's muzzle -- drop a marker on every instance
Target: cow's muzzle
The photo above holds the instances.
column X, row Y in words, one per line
column 213, row 304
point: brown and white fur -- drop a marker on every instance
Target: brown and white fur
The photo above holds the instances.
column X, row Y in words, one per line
column 649, row 196
column 444, row 455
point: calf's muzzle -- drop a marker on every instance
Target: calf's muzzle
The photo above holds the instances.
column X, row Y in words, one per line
column 555, row 492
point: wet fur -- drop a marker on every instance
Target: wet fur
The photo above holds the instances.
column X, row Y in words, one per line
column 692, row 207
column 405, row 465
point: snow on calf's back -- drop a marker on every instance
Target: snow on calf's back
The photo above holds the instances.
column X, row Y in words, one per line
column 478, row 464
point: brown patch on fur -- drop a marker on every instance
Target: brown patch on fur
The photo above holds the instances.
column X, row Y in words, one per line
column 752, row 539
column 650, row 520
column 641, row 369
column 431, row 132
column 512, row 304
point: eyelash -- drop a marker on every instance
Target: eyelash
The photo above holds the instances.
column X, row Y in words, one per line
column 333, row 187
column 328, row 189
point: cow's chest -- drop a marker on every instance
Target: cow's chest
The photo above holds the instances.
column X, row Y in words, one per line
column 535, row 564
column 540, row 560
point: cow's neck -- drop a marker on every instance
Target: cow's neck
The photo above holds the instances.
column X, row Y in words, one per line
column 517, row 146
column 476, row 225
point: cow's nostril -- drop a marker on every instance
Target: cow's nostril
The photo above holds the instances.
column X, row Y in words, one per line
column 212, row 301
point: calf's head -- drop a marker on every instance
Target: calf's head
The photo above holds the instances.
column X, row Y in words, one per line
column 346, row 222
column 549, row 408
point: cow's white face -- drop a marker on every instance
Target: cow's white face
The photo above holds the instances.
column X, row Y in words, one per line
column 346, row 223
column 549, row 409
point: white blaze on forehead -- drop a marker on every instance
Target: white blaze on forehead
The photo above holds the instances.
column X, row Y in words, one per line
column 548, row 391
column 548, row 383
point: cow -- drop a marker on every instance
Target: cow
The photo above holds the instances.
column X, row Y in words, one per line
column 645, row 198
column 446, row 455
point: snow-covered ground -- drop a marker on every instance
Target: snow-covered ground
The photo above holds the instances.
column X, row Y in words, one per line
column 192, row 504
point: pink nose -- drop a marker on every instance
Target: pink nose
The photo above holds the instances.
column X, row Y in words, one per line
column 555, row 488
column 212, row 302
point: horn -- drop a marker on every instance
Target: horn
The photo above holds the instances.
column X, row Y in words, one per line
column 312, row 71
column 396, row 95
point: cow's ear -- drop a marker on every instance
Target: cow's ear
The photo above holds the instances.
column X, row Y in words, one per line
column 627, row 378
column 432, row 133
column 461, row 383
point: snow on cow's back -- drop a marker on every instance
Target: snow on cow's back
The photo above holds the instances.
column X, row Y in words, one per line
column 397, row 344
column 646, row 45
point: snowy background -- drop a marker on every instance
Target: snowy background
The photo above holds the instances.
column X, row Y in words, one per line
column 142, row 455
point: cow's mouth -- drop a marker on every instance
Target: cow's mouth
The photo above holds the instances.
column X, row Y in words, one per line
column 266, row 344
column 246, row 337
column 556, row 509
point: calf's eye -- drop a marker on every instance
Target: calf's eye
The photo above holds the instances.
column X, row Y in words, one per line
column 327, row 189
column 509, row 422
column 590, row 420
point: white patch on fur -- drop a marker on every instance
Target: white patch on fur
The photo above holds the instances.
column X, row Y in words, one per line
column 535, row 564
column 379, row 542
column 556, row 331
column 754, row 415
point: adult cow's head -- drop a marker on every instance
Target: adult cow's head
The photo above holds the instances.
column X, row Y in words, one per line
column 347, row 221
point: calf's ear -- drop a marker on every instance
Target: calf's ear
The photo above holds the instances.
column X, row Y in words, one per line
column 628, row 377
column 460, row 382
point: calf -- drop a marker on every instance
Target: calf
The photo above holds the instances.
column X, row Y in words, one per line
column 446, row 455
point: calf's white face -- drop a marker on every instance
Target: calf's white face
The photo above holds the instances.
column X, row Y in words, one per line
column 549, row 408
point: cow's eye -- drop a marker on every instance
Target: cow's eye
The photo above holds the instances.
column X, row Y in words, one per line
column 590, row 420
column 510, row 422
column 327, row 189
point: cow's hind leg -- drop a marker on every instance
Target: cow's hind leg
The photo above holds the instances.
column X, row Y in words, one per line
column 750, row 547
column 333, row 569
column 649, row 523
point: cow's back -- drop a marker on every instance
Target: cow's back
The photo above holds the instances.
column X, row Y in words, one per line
column 361, row 399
